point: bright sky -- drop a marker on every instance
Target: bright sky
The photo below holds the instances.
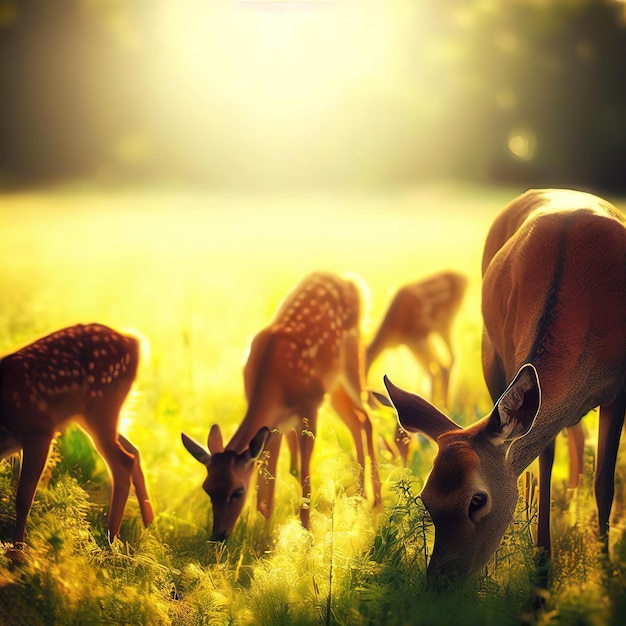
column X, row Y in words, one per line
column 278, row 67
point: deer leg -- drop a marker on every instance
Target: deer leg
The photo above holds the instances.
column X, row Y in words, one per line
column 445, row 391
column 101, row 421
column 425, row 357
column 34, row 456
column 610, row 430
column 141, row 491
column 386, row 337
column 444, row 375
column 576, row 445
column 266, row 482
column 402, row 440
column 306, row 438
column 341, row 403
column 369, row 440
column 121, row 465
column 372, row 353
column 292, row 442
column 546, row 460
column 357, row 420
column 355, row 411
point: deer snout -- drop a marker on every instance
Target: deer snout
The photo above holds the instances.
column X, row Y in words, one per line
column 225, row 516
column 219, row 537
column 445, row 573
column 449, row 565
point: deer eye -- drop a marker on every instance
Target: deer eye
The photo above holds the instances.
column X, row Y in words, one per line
column 477, row 502
column 237, row 494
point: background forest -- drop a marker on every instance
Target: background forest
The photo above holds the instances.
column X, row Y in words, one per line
column 253, row 94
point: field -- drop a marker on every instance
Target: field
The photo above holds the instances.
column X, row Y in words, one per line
column 197, row 274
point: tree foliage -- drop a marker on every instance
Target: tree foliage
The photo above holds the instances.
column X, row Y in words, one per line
column 484, row 90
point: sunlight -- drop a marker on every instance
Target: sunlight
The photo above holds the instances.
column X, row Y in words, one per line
column 272, row 57
column 276, row 69
column 522, row 143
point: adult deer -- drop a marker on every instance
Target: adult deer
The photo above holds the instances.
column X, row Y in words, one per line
column 312, row 347
column 503, row 228
column 417, row 312
column 82, row 373
column 554, row 310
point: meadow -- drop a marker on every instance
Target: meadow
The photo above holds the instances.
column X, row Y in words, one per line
column 197, row 274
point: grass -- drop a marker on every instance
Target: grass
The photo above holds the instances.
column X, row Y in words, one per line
column 198, row 274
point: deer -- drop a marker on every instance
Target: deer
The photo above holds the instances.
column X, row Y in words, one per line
column 554, row 347
column 417, row 312
column 81, row 373
column 503, row 228
column 310, row 349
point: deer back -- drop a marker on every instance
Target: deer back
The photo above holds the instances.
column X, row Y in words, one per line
column 298, row 357
column 54, row 378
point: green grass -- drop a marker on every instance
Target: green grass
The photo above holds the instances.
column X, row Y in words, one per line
column 198, row 275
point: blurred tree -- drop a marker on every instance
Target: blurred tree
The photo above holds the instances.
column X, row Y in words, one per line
column 529, row 92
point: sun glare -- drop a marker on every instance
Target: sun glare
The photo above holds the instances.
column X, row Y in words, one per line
column 278, row 62
column 522, row 143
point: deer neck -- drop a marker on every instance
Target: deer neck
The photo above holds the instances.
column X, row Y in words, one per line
column 265, row 409
column 564, row 401
column 578, row 371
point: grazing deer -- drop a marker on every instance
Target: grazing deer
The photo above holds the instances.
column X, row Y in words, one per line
column 80, row 373
column 311, row 348
column 416, row 313
column 503, row 228
column 554, row 310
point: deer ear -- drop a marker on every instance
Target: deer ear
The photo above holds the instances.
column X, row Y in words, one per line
column 197, row 451
column 514, row 413
column 418, row 415
column 214, row 441
column 258, row 442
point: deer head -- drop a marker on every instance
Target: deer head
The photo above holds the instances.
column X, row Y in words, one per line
column 228, row 476
column 471, row 491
